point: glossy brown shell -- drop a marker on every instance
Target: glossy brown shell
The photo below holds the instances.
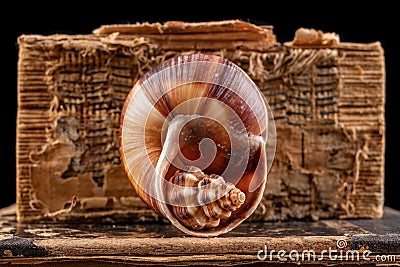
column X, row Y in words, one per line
column 196, row 110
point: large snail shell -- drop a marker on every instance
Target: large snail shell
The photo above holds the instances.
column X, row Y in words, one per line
column 193, row 142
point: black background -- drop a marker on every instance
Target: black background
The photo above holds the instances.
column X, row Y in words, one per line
column 360, row 23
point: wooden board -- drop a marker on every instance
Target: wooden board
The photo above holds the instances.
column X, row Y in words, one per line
column 327, row 98
column 352, row 242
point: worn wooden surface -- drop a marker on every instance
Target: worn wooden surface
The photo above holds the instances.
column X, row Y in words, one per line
column 161, row 244
column 327, row 98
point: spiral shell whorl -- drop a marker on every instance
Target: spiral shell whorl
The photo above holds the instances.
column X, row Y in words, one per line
column 207, row 214
column 203, row 111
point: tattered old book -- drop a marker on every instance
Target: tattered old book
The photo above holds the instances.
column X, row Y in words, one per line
column 327, row 98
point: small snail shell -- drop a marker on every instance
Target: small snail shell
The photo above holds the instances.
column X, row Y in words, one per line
column 207, row 214
column 193, row 141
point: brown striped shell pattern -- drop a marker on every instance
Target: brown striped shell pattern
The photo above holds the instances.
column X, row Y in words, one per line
column 197, row 139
